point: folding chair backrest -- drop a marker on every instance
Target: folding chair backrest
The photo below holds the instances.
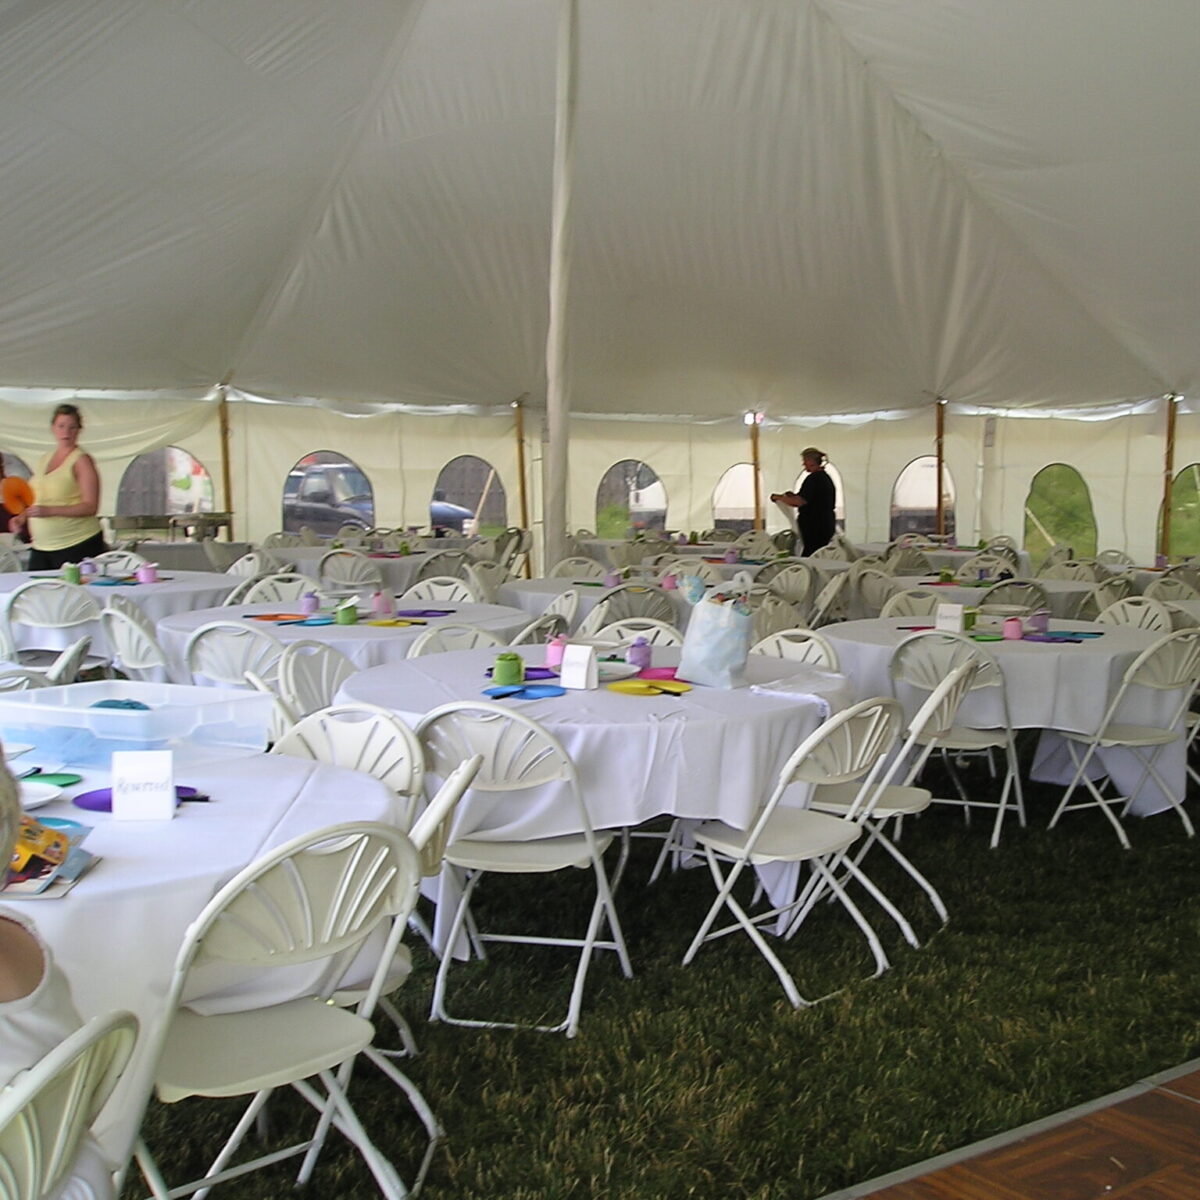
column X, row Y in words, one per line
column 451, row 637
column 830, row 603
column 224, row 651
column 794, row 582
column 310, row 674
column 913, row 602
column 594, row 621
column 1025, row 593
column 638, row 600
column 1104, row 594
column 440, row 587
column 922, row 660
column 486, row 577
column 46, row 1111
column 875, row 588
column 362, row 738
column 907, row 561
column 576, row 567
column 119, row 562
column 282, row 586
column 65, row 668
column 772, row 614
column 1172, row 662
column 848, row 746
column 540, row 630
column 347, row 569
column 517, row 752
column 1116, row 558
column 565, row 604
column 431, row 830
column 134, row 645
column 1071, row 569
column 990, row 564
column 1172, row 588
column 447, row 564
column 241, row 590
column 252, row 563
column 51, row 604
column 1139, row 611
column 18, row 679
column 656, row 633
column 9, row 562
column 798, row 645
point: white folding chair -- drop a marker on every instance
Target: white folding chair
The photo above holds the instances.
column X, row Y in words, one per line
column 119, row 562
column 66, row 667
column 1115, row 558
column 541, row 630
column 20, row 679
column 578, row 566
column 636, row 600
column 310, row 674
column 1139, row 611
column 241, row 590
column 794, row 582
column 47, row 1111
column 656, row 633
column 283, row 716
column 991, row 564
column 281, row 587
column 594, row 621
column 440, row 588
column 518, row 753
column 442, row 638
column 920, row 662
column 9, row 562
column 1094, row 602
column 446, row 563
column 362, row 738
column 1027, row 594
column 1171, row 664
column 850, row 746
column 136, row 649
column 565, row 604
column 253, row 563
column 1170, row 589
column 223, row 651
column 798, row 645
column 313, row 902
column 1073, row 569
column 830, row 603
column 347, row 571
column 913, row 602
column 833, row 552
column 51, row 604
column 909, row 561
column 875, row 588
column 486, row 578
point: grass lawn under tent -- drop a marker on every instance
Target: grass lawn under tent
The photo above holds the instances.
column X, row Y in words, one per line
column 1067, row 971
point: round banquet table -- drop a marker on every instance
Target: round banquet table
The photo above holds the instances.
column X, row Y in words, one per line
column 1064, row 596
column 708, row 753
column 190, row 556
column 1049, row 686
column 116, row 933
column 399, row 571
column 533, row 596
column 364, row 644
column 176, row 592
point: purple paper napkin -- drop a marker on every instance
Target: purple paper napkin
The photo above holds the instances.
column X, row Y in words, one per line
column 425, row 612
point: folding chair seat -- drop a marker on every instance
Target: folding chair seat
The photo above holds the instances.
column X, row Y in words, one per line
column 1171, row 664
column 312, row 903
column 851, row 745
column 518, row 753
column 921, row 662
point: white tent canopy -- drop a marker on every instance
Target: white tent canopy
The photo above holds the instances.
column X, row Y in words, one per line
column 801, row 207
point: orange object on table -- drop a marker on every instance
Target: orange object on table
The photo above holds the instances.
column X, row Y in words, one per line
column 16, row 494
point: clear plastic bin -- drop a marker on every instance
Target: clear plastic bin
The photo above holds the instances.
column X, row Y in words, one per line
column 62, row 722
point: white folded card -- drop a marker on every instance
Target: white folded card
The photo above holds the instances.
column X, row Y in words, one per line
column 143, row 785
column 578, row 668
column 949, row 617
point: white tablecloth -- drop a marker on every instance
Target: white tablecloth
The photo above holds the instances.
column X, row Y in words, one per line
column 1063, row 686
column 189, row 556
column 177, row 592
column 363, row 644
column 116, row 934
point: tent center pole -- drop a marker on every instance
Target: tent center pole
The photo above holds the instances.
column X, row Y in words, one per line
column 940, row 441
column 522, row 489
column 1164, row 547
column 756, row 459
column 226, row 480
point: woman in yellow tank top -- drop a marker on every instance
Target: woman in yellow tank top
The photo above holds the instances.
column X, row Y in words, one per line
column 66, row 490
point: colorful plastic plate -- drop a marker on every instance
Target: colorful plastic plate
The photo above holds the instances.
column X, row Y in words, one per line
column 532, row 673
column 650, row 687
column 658, row 673
column 16, row 493
column 101, row 799
column 58, row 779
column 525, row 691
column 35, row 794
column 425, row 612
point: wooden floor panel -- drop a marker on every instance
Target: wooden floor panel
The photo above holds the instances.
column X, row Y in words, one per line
column 1143, row 1148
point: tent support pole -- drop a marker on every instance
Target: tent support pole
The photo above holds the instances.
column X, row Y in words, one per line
column 756, row 459
column 1164, row 547
column 522, row 492
column 226, row 482
column 940, row 441
column 554, row 530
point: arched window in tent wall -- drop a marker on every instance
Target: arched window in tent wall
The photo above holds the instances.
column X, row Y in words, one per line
column 164, row 482
column 733, row 499
column 324, row 491
column 630, row 497
column 839, row 504
column 1185, row 513
column 14, row 465
column 469, row 498
column 914, row 498
column 1058, row 510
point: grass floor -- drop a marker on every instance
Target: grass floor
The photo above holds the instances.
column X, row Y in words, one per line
column 1068, row 970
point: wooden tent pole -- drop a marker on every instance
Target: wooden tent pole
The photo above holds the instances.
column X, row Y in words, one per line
column 940, row 440
column 757, row 461
column 1164, row 547
column 519, row 409
column 226, row 481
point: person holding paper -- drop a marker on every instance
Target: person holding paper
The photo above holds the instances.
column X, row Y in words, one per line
column 814, row 502
column 36, row 1011
column 66, row 488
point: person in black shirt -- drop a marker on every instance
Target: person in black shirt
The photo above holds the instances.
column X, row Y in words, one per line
column 814, row 502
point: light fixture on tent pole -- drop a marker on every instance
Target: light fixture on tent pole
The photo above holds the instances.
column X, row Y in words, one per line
column 754, row 420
